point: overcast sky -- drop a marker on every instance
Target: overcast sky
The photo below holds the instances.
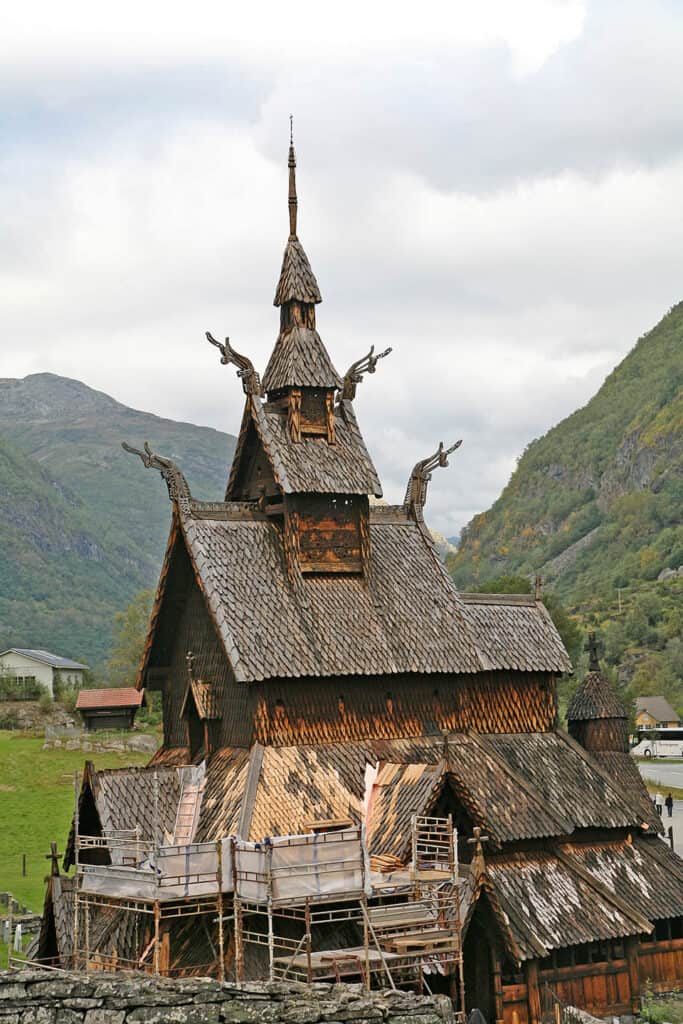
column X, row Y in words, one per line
column 493, row 189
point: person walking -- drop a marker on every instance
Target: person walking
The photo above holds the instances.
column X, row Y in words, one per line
column 669, row 804
column 659, row 803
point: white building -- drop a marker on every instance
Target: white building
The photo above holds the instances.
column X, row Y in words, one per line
column 30, row 668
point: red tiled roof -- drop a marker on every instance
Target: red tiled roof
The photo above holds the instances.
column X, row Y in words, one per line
column 120, row 697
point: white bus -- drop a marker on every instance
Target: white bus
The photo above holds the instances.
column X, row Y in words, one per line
column 659, row 743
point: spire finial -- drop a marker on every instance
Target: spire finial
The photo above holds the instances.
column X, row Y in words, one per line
column 292, row 202
column 592, row 649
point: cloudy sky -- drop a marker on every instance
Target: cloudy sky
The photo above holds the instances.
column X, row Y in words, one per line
column 494, row 189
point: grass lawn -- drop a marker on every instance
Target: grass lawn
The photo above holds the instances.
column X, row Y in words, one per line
column 654, row 787
column 36, row 806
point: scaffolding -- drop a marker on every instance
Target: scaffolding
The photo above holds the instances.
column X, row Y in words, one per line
column 323, row 882
column 168, row 883
column 309, row 901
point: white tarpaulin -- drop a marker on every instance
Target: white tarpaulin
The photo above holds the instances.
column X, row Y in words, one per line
column 315, row 866
column 173, row 872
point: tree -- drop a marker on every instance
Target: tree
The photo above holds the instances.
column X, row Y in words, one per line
column 130, row 631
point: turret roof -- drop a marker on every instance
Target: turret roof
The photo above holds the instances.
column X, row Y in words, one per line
column 300, row 359
column 297, row 280
column 595, row 698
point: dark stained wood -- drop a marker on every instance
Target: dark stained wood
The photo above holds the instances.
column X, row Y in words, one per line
column 631, row 948
column 515, row 1004
column 255, row 477
column 328, row 533
column 661, row 964
column 505, row 702
column 533, row 992
column 294, row 415
column 497, row 982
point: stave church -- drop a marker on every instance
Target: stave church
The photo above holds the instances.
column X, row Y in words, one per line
column 318, row 670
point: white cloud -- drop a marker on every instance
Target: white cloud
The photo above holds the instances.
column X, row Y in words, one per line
column 492, row 193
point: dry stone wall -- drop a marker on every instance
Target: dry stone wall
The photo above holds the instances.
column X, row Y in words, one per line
column 49, row 997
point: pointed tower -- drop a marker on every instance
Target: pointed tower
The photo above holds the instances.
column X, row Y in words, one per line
column 300, row 453
column 300, row 372
column 596, row 717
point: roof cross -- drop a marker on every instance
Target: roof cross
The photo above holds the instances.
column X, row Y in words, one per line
column 591, row 646
column 477, row 839
column 53, row 857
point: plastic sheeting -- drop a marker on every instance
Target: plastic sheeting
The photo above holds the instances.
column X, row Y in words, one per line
column 296, row 868
column 174, row 872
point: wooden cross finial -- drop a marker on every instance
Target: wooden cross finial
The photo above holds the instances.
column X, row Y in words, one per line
column 53, row 857
column 189, row 661
column 591, row 646
column 538, row 587
column 477, row 839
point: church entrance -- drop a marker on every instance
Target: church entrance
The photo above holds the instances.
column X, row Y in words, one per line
column 478, row 969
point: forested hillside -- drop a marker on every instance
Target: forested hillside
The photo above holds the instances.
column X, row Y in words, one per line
column 82, row 525
column 596, row 507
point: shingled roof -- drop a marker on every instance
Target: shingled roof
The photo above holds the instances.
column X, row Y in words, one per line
column 300, row 359
column 516, row 787
column 125, row 796
column 551, row 902
column 513, row 629
column 314, row 465
column 297, row 280
column 595, row 698
column 282, row 789
column 405, row 618
column 208, row 699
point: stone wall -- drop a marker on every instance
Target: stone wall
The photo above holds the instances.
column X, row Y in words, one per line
column 50, row 997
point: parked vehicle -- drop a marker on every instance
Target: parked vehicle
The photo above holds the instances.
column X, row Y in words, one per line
column 665, row 742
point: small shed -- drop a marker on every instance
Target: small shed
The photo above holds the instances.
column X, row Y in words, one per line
column 111, row 708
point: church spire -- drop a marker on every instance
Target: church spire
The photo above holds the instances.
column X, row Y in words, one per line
column 297, row 284
column 292, row 201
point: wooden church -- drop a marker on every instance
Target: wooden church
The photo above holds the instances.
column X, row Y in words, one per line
column 315, row 659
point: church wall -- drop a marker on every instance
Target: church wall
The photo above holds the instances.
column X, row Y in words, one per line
column 601, row 734
column 185, row 625
column 610, row 986
column 293, row 711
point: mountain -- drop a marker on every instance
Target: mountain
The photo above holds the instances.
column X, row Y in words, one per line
column 82, row 524
column 596, row 504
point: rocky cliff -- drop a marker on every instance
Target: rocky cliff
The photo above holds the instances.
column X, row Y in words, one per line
column 596, row 503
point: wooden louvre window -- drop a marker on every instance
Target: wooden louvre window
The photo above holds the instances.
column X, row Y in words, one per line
column 329, row 534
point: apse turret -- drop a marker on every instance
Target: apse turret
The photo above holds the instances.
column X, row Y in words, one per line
column 596, row 717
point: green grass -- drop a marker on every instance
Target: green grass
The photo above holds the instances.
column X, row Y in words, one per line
column 36, row 806
column 653, row 787
column 660, row 1009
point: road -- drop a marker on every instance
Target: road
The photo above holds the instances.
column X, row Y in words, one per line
column 662, row 771
column 667, row 775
